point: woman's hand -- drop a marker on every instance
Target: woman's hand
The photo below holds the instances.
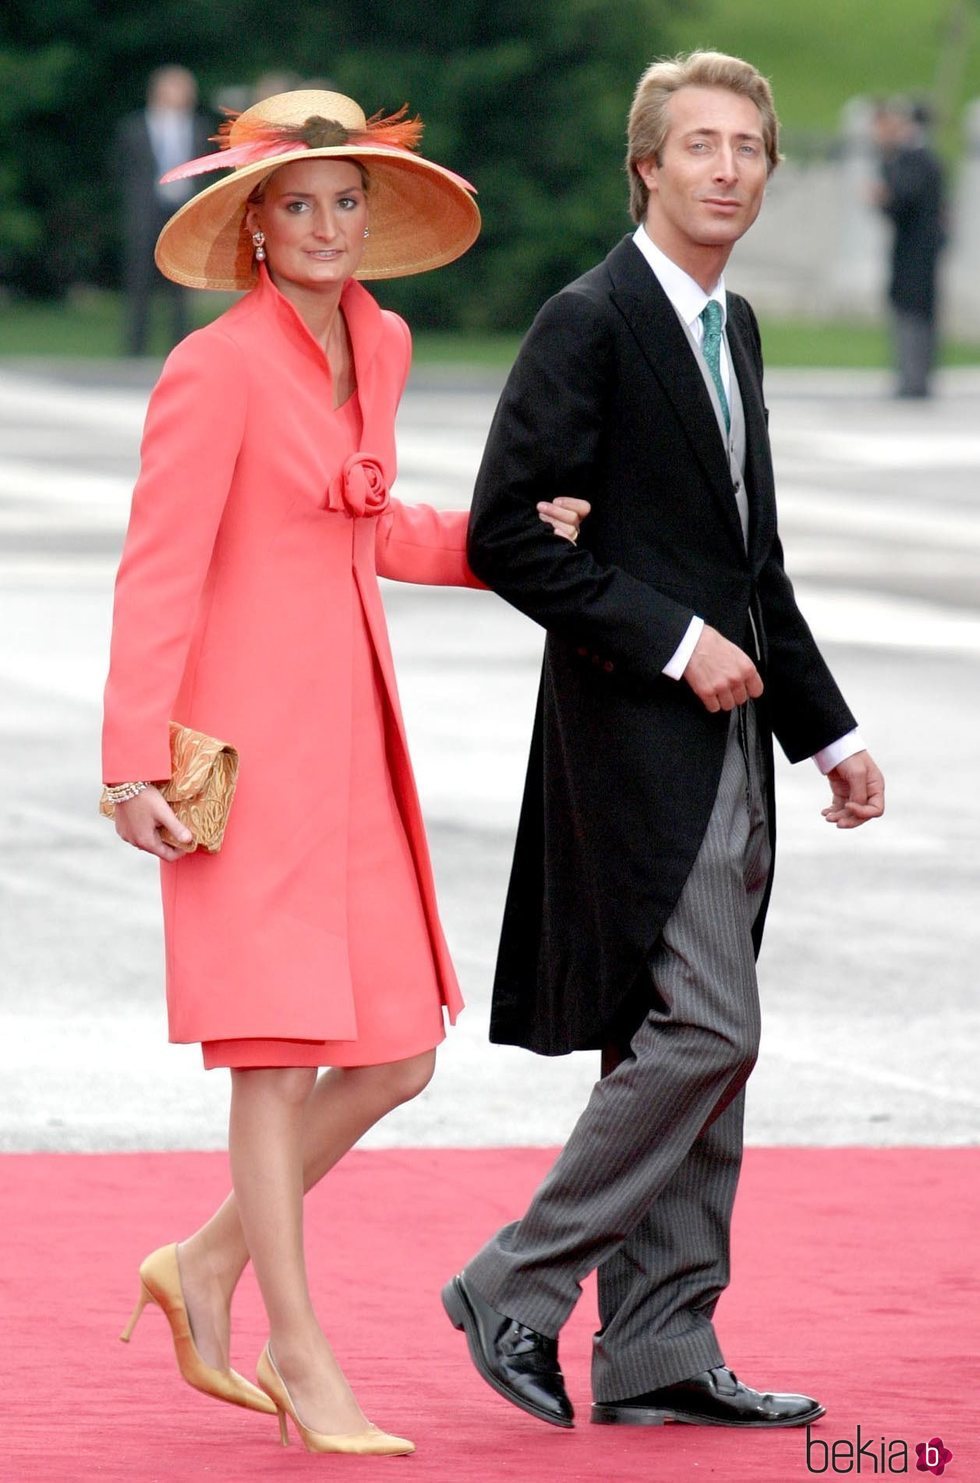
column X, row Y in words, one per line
column 565, row 515
column 140, row 819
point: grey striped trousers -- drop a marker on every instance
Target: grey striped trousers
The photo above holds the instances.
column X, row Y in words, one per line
column 644, row 1187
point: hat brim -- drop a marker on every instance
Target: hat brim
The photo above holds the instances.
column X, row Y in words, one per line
column 421, row 216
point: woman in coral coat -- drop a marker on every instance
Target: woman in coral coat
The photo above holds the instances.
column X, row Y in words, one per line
column 247, row 607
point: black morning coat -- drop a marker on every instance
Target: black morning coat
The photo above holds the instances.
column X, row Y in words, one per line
column 606, row 401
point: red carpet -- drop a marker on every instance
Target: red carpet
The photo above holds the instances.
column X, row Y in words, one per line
column 855, row 1280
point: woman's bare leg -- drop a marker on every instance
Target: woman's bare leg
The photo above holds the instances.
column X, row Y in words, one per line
column 265, row 1144
column 343, row 1104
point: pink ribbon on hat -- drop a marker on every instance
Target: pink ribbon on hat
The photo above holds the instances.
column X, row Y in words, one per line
column 360, row 488
column 250, row 154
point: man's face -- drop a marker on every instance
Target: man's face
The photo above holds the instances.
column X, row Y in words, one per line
column 708, row 188
column 174, row 88
column 890, row 128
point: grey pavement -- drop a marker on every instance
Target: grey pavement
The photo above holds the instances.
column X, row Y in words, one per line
column 869, row 970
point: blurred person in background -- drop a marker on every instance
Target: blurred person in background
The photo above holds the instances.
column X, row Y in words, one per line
column 149, row 142
column 268, row 84
column 910, row 193
column 247, row 607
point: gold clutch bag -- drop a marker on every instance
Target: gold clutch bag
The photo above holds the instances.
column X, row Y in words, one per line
column 201, row 786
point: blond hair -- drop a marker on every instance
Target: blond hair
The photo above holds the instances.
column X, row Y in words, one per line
column 649, row 122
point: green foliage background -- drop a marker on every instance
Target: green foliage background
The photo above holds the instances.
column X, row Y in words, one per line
column 528, row 100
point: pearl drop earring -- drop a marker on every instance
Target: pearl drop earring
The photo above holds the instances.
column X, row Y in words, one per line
column 258, row 240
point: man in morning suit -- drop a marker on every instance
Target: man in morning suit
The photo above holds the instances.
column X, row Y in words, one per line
column 675, row 651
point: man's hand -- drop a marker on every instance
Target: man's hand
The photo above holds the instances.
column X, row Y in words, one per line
column 721, row 675
column 140, row 820
column 565, row 515
column 858, row 790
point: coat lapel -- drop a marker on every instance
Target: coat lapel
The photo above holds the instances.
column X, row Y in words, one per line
column 364, row 323
column 661, row 339
column 758, row 460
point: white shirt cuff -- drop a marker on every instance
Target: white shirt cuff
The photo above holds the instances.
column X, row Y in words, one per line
column 678, row 662
column 828, row 757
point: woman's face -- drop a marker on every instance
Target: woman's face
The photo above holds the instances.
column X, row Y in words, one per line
column 313, row 214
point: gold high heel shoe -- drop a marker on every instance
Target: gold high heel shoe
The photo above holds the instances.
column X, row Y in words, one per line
column 370, row 1443
column 160, row 1284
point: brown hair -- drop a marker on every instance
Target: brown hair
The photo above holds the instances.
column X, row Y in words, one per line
column 649, row 122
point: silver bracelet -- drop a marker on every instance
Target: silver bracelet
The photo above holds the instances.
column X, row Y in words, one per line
column 123, row 792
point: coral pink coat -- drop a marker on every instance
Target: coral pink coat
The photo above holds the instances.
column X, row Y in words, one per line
column 233, row 614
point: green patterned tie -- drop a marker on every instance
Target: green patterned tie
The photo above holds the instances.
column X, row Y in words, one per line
column 711, row 349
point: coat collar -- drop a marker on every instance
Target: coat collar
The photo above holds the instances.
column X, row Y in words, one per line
column 360, row 310
column 661, row 339
column 687, row 296
column 758, row 461
column 365, row 323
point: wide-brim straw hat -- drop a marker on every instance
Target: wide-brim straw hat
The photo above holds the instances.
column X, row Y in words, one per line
column 421, row 215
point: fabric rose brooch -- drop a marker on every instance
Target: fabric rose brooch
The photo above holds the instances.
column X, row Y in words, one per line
column 359, row 488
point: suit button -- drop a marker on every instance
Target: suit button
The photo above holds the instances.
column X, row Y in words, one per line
column 595, row 659
column 582, row 653
column 608, row 666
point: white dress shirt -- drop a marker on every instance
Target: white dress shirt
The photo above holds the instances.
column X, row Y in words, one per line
column 171, row 132
column 689, row 299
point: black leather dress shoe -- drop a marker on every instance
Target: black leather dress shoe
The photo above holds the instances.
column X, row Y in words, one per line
column 713, row 1398
column 520, row 1364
